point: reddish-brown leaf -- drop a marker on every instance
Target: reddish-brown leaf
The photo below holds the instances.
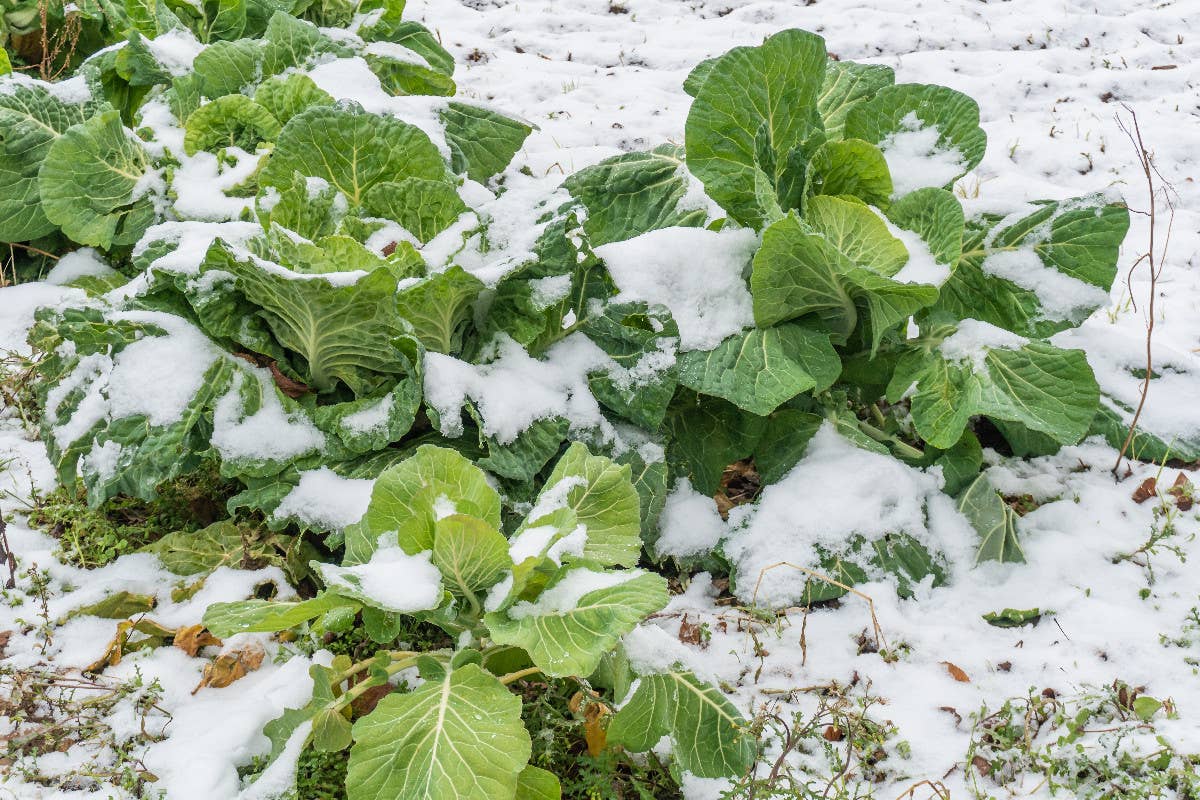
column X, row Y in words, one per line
column 956, row 672
column 192, row 638
column 1148, row 489
column 833, row 733
column 229, row 667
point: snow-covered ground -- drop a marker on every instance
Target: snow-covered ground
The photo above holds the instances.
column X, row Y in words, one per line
column 599, row 78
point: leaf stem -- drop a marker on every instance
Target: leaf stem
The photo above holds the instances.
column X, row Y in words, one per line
column 516, row 676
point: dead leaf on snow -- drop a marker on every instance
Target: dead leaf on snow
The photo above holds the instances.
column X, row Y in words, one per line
column 1144, row 492
column 956, row 672
column 193, row 638
column 152, row 635
column 232, row 666
column 1181, row 490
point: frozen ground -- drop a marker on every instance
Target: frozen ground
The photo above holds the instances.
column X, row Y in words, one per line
column 599, row 78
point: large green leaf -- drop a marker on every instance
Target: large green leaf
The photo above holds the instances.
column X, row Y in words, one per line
column 1039, row 274
column 603, row 499
column 851, row 168
column 225, row 67
column 931, row 133
column 423, row 207
column 642, row 342
column 31, row 119
column 709, row 738
column 440, row 307
column 482, row 142
column 936, row 216
column 352, row 150
column 705, row 435
column 751, row 118
column 269, row 616
column 232, row 120
column 285, row 96
column 218, row 545
column 762, row 368
column 344, row 331
column 995, row 521
column 799, row 271
column 408, row 497
column 91, row 183
column 470, row 553
column 1046, row 389
column 846, row 85
column 579, row 617
column 628, row 195
column 457, row 738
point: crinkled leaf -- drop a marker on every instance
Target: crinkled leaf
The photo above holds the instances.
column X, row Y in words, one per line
column 851, row 167
column 762, row 368
column 705, row 435
column 846, row 85
column 91, row 183
column 440, row 307
column 748, row 126
column 482, row 142
column 285, row 96
column 470, row 554
column 31, row 119
column 423, row 207
column 643, row 343
column 230, row 121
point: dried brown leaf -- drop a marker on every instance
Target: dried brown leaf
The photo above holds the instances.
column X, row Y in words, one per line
column 956, row 672
column 1148, row 489
column 232, row 666
column 192, row 638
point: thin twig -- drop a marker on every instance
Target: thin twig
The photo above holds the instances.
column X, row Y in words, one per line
column 880, row 641
column 1152, row 257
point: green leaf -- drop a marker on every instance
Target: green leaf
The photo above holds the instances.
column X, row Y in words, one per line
column 748, row 126
column 1013, row 617
column 91, row 183
column 857, row 233
column 226, row 67
column 850, row 168
column 471, row 554
column 31, row 119
column 705, row 435
column 642, row 341
column 937, row 217
column 995, row 522
column 906, row 113
column 220, row 544
column 631, row 194
column 565, row 632
column 847, row 85
column 1044, row 388
column 602, row 498
column 709, row 738
column 268, row 616
column 230, row 121
column 784, row 442
column 344, row 332
column 482, row 142
column 5, row 63
column 423, row 207
column 440, row 307
column 1041, row 274
column 406, row 499
column 522, row 458
column 285, row 96
column 311, row 211
column 1146, row 707
column 457, row 738
column 412, row 35
column 400, row 77
column 292, row 42
column 120, row 605
column 352, row 150
column 798, row 271
column 535, row 783
column 760, row 369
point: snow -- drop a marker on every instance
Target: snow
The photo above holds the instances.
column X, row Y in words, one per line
column 922, row 266
column 19, row 303
column 269, row 432
column 202, row 183
column 844, row 492
column 192, row 240
column 1061, row 296
column 82, row 263
column 689, row 524
column 325, row 500
column 972, row 340
column 915, row 159
column 515, row 390
column 564, row 596
column 392, row 579
column 698, row 274
column 372, row 418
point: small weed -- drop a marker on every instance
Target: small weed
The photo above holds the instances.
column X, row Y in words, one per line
column 840, row 750
column 91, row 538
column 1100, row 744
column 1163, row 539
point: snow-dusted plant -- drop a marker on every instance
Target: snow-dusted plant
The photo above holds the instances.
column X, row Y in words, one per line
column 553, row 598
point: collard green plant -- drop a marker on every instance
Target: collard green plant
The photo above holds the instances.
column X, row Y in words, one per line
column 323, row 298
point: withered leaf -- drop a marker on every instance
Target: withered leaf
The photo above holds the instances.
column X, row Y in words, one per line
column 1148, row 489
column 595, row 722
column 956, row 672
column 232, row 666
column 151, row 635
column 192, row 638
column 833, row 733
column 1181, row 490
